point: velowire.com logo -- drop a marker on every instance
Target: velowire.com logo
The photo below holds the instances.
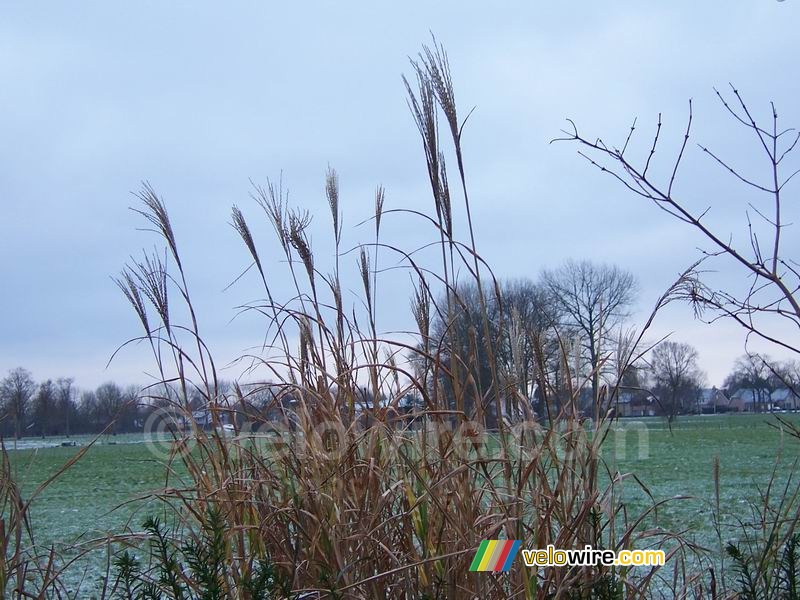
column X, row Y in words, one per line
column 495, row 555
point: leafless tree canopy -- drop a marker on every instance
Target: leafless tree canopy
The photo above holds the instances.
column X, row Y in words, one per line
column 593, row 300
column 677, row 378
column 44, row 404
column 15, row 392
column 521, row 324
column 768, row 308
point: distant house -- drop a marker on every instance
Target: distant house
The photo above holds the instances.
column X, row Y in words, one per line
column 746, row 400
column 713, row 400
column 265, row 402
column 635, row 404
column 202, row 417
column 585, row 401
column 785, row 399
column 409, row 413
column 739, row 402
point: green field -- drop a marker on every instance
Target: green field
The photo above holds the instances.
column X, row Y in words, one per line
column 90, row 499
column 680, row 463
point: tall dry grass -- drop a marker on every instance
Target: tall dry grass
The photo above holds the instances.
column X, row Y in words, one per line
column 347, row 497
column 379, row 462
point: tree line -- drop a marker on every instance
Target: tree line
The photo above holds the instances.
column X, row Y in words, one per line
column 568, row 335
column 58, row 407
column 562, row 337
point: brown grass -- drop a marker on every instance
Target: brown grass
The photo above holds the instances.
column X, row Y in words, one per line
column 342, row 493
column 352, row 503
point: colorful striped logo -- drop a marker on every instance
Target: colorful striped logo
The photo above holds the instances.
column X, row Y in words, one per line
column 495, row 555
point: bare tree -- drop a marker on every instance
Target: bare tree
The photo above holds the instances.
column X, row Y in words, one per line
column 787, row 374
column 625, row 375
column 593, row 299
column 15, row 392
column 109, row 403
column 65, row 401
column 677, row 378
column 520, row 322
column 87, row 409
column 529, row 349
column 460, row 340
column 131, row 405
column 44, row 404
column 766, row 307
column 753, row 373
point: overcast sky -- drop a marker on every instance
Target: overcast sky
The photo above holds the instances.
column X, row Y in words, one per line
column 199, row 98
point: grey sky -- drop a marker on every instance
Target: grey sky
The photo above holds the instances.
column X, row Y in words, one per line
column 198, row 97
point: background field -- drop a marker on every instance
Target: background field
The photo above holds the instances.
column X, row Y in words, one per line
column 99, row 494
